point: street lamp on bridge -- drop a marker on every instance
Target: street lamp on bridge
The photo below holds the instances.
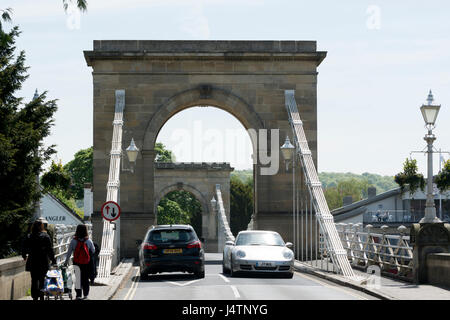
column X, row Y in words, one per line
column 287, row 149
column 429, row 113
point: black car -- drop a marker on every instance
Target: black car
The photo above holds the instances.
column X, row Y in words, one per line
column 171, row 248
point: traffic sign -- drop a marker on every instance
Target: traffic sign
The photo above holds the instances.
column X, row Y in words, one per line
column 110, row 211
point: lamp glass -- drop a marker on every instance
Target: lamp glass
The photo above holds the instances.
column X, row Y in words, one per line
column 287, row 149
column 430, row 113
column 132, row 152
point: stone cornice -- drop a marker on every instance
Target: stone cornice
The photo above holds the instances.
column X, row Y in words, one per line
column 204, row 50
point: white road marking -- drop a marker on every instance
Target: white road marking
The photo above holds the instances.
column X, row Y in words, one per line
column 224, row 278
column 235, row 291
column 182, row 284
column 332, row 287
column 132, row 291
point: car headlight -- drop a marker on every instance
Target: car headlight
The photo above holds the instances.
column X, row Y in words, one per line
column 288, row 254
column 240, row 253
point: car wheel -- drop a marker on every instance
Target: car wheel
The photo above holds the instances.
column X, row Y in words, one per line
column 143, row 275
column 232, row 273
column 225, row 270
column 200, row 274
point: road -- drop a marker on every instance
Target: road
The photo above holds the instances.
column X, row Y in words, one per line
column 217, row 286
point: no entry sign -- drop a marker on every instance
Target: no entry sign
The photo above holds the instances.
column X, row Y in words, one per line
column 110, row 211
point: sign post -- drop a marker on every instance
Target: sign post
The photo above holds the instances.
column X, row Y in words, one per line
column 110, row 211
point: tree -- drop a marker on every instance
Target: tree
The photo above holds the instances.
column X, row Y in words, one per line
column 187, row 203
column 443, row 178
column 241, row 204
column 23, row 126
column 56, row 178
column 162, row 154
column 169, row 212
column 80, row 170
column 409, row 177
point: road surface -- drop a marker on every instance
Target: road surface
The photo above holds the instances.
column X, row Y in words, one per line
column 217, row 286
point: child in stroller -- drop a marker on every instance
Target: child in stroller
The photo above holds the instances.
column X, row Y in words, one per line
column 57, row 283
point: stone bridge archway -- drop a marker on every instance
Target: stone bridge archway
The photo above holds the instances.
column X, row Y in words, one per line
column 161, row 78
column 199, row 179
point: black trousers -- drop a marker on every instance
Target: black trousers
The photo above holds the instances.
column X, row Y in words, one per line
column 84, row 270
column 37, row 284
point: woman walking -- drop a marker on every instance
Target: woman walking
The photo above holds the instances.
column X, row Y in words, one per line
column 83, row 249
column 37, row 251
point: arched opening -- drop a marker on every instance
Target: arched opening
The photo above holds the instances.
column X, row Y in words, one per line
column 211, row 134
column 180, row 207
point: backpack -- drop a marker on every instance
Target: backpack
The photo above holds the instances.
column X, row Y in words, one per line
column 81, row 254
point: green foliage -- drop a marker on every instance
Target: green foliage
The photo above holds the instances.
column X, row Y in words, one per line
column 355, row 188
column 162, row 154
column 56, row 178
column 410, row 177
column 381, row 183
column 188, row 204
column 169, row 212
column 23, row 126
column 241, row 203
column 81, row 171
column 443, row 178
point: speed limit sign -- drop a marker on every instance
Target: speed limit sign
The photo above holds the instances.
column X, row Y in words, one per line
column 110, row 210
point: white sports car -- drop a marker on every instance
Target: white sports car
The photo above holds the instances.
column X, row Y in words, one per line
column 258, row 251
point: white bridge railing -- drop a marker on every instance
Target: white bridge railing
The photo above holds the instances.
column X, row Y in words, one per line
column 109, row 243
column 391, row 253
column 61, row 240
column 318, row 238
column 224, row 233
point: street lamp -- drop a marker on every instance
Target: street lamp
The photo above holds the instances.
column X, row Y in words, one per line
column 132, row 153
column 429, row 113
column 287, row 149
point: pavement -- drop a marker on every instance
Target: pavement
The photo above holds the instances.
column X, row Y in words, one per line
column 385, row 288
column 105, row 292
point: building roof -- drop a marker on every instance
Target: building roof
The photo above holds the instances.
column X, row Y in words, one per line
column 359, row 207
column 69, row 210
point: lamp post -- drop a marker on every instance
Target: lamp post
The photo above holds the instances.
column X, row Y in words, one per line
column 132, row 153
column 287, row 149
column 429, row 113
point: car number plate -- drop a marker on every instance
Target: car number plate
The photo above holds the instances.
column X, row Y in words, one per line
column 172, row 250
column 264, row 264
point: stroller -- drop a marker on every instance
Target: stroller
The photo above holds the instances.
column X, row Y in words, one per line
column 57, row 283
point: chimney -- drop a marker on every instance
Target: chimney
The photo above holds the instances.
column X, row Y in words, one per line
column 347, row 200
column 88, row 201
column 371, row 192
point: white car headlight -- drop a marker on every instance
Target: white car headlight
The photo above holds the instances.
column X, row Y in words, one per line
column 287, row 254
column 240, row 253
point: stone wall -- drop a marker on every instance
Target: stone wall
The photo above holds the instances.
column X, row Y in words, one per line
column 438, row 268
column 14, row 280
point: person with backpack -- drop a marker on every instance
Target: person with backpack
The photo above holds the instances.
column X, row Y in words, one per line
column 38, row 252
column 83, row 249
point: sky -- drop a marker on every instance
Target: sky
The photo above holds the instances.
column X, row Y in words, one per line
column 383, row 58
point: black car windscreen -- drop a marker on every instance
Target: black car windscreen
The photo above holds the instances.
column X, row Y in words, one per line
column 169, row 236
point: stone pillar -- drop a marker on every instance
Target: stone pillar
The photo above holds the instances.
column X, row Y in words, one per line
column 148, row 160
column 427, row 238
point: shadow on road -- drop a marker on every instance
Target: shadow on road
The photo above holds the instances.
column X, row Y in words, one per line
column 166, row 277
column 264, row 275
